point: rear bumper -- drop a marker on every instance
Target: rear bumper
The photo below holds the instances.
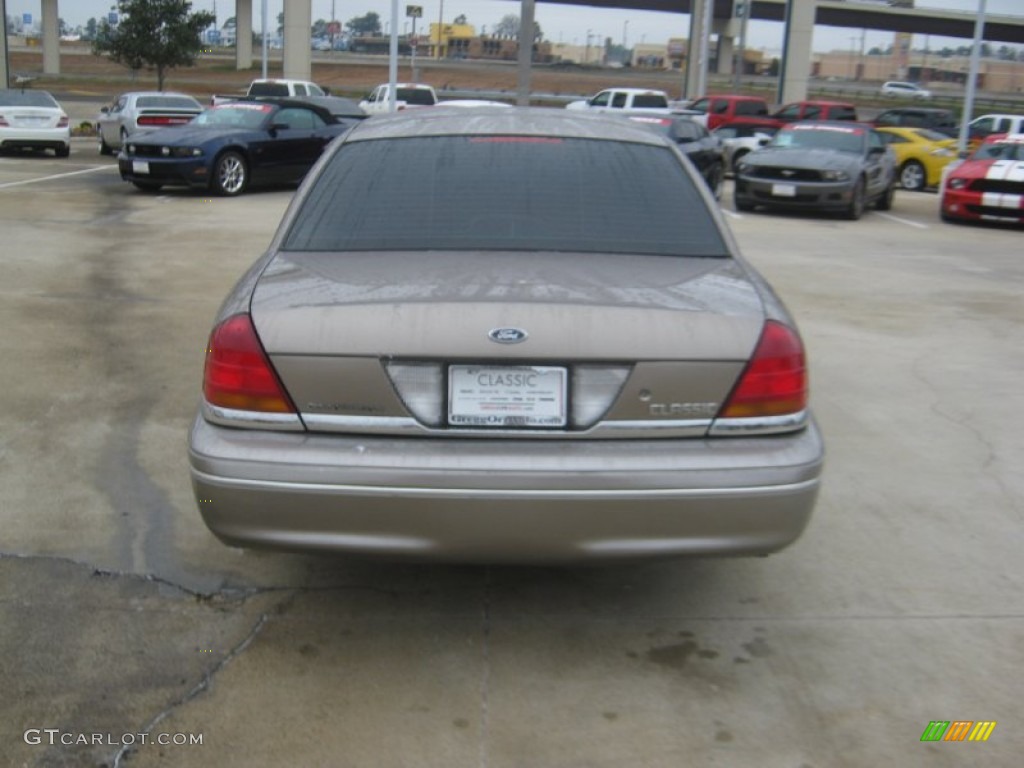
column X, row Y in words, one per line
column 505, row 501
column 35, row 138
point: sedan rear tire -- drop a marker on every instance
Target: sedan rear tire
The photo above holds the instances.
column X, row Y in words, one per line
column 912, row 176
column 105, row 149
column 230, row 174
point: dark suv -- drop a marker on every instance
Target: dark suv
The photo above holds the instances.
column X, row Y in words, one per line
column 941, row 120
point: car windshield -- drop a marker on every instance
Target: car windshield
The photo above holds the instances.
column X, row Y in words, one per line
column 26, row 99
column 236, row 115
column 1000, row 150
column 166, row 102
column 820, row 137
column 505, row 193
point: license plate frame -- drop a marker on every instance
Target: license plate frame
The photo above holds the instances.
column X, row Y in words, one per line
column 507, row 396
column 783, row 190
column 140, row 166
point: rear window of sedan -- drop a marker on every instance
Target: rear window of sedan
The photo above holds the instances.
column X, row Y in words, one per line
column 27, row 99
column 166, row 102
column 505, row 193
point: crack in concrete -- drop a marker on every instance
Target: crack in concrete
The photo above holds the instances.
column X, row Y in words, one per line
column 991, row 454
column 237, row 594
column 485, row 679
column 198, row 689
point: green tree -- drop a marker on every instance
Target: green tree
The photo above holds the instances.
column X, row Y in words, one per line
column 363, row 26
column 159, row 35
column 508, row 27
column 91, row 27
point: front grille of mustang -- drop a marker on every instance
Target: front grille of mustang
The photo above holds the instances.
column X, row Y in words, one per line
column 145, row 150
column 768, row 197
column 785, row 174
column 1002, row 213
column 1005, row 186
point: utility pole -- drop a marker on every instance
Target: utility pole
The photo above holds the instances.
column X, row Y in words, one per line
column 440, row 29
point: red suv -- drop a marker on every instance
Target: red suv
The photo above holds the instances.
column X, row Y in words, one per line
column 726, row 107
column 816, row 110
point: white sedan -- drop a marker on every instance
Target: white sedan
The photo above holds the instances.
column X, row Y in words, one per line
column 908, row 90
column 33, row 120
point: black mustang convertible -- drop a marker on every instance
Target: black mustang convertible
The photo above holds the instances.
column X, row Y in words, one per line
column 231, row 146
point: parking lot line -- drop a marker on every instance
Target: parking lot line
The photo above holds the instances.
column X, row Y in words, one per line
column 898, row 220
column 56, row 176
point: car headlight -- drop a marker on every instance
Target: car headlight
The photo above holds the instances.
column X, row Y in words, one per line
column 832, row 175
column 943, row 152
column 743, row 167
column 958, row 183
column 181, row 152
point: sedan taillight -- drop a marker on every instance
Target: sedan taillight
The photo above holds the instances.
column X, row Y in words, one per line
column 238, row 374
column 775, row 380
column 63, row 122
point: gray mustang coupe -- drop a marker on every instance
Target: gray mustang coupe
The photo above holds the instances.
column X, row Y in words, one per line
column 828, row 165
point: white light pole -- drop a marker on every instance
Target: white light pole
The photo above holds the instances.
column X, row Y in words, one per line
column 972, row 78
column 264, row 33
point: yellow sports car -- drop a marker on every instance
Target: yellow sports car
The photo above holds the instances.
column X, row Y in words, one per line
column 921, row 154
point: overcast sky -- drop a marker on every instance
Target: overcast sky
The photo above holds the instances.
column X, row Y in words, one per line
column 564, row 23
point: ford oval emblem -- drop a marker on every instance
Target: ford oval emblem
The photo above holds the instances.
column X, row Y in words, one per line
column 507, row 335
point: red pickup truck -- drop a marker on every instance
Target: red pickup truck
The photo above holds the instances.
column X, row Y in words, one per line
column 727, row 107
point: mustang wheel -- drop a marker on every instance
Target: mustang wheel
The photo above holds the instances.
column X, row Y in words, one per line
column 856, row 207
column 912, row 176
column 230, row 174
column 884, row 202
column 105, row 149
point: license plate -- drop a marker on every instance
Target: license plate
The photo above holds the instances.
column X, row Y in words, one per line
column 140, row 166
column 506, row 396
column 784, row 190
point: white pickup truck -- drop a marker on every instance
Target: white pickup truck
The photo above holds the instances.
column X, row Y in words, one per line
column 627, row 100
column 272, row 87
column 407, row 96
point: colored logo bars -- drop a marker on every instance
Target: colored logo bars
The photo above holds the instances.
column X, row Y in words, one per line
column 958, row 730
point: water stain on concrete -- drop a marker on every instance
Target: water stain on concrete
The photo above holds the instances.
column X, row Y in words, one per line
column 758, row 648
column 723, row 736
column 673, row 656
column 611, row 717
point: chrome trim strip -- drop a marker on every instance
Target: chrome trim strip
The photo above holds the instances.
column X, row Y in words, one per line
column 404, row 425
column 230, row 417
column 762, row 425
column 388, row 425
column 501, row 493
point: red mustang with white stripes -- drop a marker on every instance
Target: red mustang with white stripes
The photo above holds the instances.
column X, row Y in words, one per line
column 989, row 185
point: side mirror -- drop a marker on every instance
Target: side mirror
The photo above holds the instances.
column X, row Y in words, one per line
column 104, row 110
column 763, row 141
column 327, row 91
column 876, row 151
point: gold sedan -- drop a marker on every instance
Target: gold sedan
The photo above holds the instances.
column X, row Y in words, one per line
column 921, row 154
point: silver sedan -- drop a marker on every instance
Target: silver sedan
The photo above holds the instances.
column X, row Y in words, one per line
column 464, row 343
column 139, row 112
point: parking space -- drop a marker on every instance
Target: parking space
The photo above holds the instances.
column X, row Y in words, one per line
column 121, row 615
